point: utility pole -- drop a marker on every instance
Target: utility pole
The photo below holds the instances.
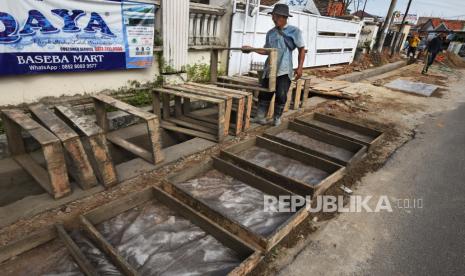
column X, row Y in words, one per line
column 397, row 45
column 386, row 24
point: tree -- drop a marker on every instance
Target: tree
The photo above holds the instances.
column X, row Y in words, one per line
column 356, row 4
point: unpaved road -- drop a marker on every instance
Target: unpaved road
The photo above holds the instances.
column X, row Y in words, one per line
column 408, row 241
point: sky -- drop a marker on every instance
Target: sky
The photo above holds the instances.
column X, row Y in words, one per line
column 452, row 9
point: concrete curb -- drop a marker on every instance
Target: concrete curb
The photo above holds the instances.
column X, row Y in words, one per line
column 358, row 76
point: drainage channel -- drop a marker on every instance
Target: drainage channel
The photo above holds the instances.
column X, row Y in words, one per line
column 209, row 219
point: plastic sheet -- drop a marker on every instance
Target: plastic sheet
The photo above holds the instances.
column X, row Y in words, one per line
column 284, row 165
column 235, row 200
column 308, row 142
column 155, row 241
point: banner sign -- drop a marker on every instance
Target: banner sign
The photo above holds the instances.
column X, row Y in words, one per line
column 39, row 36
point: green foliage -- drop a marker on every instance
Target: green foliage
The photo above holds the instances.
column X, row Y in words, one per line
column 200, row 72
column 2, row 129
column 158, row 41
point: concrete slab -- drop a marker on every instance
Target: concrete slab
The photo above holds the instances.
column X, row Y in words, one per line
column 418, row 88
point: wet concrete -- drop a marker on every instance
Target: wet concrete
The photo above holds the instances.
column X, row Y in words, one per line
column 320, row 146
column 344, row 131
column 284, row 165
column 48, row 259
column 235, row 200
column 156, row 241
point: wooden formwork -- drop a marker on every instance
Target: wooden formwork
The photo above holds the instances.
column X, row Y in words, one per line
column 76, row 158
column 94, row 137
column 249, row 254
column 184, row 121
column 54, row 179
column 242, row 117
column 357, row 150
column 228, row 222
column 344, row 129
column 155, row 155
column 334, row 171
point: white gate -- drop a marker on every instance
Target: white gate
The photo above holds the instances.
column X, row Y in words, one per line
column 328, row 40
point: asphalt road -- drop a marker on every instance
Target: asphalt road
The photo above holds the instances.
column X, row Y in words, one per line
column 408, row 241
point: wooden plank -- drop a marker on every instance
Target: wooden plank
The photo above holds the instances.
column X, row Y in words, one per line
column 182, row 123
column 153, row 127
column 239, row 80
column 14, row 136
column 289, row 98
column 306, row 91
column 81, row 260
column 134, row 149
column 177, row 106
column 300, row 156
column 107, row 248
column 298, row 94
column 52, row 122
column 248, row 178
column 289, row 184
column 226, row 90
column 273, row 74
column 38, row 132
column 124, row 107
column 207, row 99
column 118, row 206
column 156, row 105
column 166, row 106
column 101, row 115
column 214, row 65
column 238, row 86
column 27, row 243
column 332, row 85
column 80, row 123
column 208, row 124
column 223, row 126
column 190, row 132
column 38, row 173
column 56, row 167
column 101, row 157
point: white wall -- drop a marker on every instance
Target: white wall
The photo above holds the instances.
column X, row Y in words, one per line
column 30, row 88
column 312, row 27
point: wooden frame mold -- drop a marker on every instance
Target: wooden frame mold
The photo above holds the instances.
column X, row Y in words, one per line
column 358, row 150
column 225, row 221
column 250, row 255
column 296, row 186
column 54, row 179
column 94, row 138
column 77, row 161
column 187, row 123
column 241, row 104
column 155, row 155
column 335, row 126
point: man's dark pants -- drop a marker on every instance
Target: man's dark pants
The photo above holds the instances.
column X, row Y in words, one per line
column 282, row 87
column 411, row 50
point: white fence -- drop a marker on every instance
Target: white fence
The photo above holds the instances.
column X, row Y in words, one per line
column 328, row 40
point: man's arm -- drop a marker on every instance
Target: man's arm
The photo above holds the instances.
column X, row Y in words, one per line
column 246, row 51
column 300, row 68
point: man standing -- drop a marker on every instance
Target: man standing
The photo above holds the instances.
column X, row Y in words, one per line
column 286, row 39
column 434, row 47
column 413, row 44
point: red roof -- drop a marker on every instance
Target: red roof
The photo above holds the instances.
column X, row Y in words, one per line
column 452, row 25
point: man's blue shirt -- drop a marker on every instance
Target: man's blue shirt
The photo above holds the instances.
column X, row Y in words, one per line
column 275, row 40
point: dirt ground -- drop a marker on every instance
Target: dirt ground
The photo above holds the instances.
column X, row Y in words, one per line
column 366, row 61
column 395, row 113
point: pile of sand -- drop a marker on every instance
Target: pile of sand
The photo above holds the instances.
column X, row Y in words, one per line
column 453, row 60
